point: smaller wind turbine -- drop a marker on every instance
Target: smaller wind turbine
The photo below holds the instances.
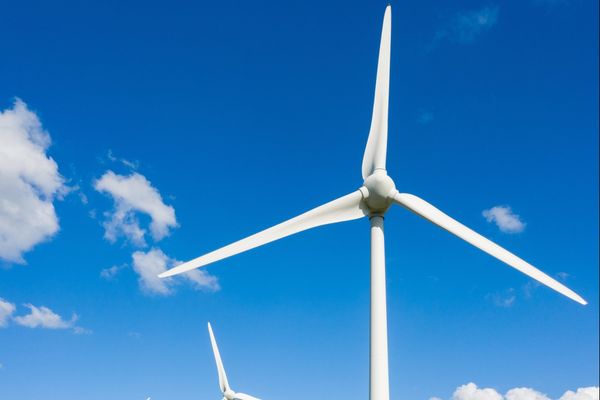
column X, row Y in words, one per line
column 228, row 393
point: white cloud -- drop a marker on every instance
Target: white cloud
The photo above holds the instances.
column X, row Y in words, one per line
column 29, row 182
column 148, row 265
column 505, row 219
column 586, row 393
column 134, row 193
column 38, row 317
column 123, row 221
column 6, row 311
column 470, row 391
column 465, row 26
column 43, row 317
column 525, row 394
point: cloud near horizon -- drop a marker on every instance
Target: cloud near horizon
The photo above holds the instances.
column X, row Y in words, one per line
column 471, row 391
column 29, row 183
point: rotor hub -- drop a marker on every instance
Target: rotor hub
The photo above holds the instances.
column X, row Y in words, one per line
column 380, row 188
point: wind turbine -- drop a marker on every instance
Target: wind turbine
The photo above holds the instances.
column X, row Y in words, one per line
column 377, row 193
column 228, row 393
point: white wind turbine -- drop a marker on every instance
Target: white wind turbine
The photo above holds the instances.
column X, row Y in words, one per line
column 228, row 393
column 372, row 200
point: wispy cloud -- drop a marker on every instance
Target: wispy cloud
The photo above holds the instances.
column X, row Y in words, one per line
column 506, row 220
column 149, row 264
column 124, row 161
column 471, row 391
column 509, row 297
column 111, row 272
column 134, row 194
column 425, row 117
column 563, row 276
column 83, row 198
column 530, row 287
column 466, row 26
column 29, row 183
column 504, row 299
column 6, row 311
column 78, row 330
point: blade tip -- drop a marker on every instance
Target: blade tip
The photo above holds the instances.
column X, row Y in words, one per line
column 575, row 297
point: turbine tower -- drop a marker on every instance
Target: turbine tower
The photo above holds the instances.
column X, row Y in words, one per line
column 377, row 193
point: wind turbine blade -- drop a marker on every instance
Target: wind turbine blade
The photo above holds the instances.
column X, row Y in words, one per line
column 223, row 384
column 345, row 208
column 244, row 396
column 429, row 212
column 375, row 152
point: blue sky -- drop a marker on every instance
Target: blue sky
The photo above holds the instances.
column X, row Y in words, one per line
column 218, row 120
